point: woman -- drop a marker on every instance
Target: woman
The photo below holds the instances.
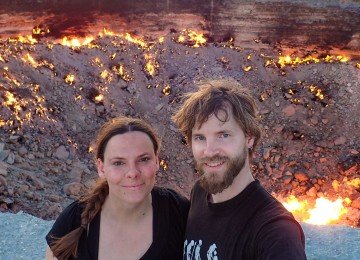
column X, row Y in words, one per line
column 124, row 216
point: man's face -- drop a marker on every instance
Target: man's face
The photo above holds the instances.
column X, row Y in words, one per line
column 220, row 151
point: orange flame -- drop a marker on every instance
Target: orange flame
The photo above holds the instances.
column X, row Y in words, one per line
column 137, row 41
column 74, row 42
column 99, row 98
column 119, row 70
column 191, row 38
column 151, row 65
column 323, row 212
column 31, row 60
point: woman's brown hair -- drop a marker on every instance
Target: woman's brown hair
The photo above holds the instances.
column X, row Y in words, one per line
column 67, row 246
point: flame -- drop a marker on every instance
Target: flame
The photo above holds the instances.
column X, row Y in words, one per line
column 97, row 61
column 191, row 38
column 151, row 65
column 69, row 79
column 167, row 90
column 181, row 38
column 323, row 212
column 27, row 39
column 198, row 38
column 294, row 61
column 357, row 65
column 106, row 32
column 137, row 41
column 163, row 164
column 326, row 211
column 247, row 68
column 1, row 58
column 355, row 183
column 31, row 60
column 161, row 39
column 99, row 98
column 316, row 91
column 119, row 70
column 106, row 75
column 74, row 42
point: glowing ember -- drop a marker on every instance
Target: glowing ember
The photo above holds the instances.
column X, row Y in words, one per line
column 120, row 71
column 191, row 38
column 355, row 183
column 99, row 98
column 181, row 39
column 97, row 62
column 113, row 56
column 316, row 91
column 166, row 91
column 163, row 164
column 357, row 65
column 247, row 68
column 151, row 65
column 69, row 79
column 1, row 58
column 198, row 38
column 31, row 60
column 161, row 39
column 106, row 75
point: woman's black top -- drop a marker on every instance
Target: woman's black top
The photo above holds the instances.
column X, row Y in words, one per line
column 169, row 222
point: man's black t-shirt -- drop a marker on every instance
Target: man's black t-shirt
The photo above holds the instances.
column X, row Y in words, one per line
column 169, row 220
column 252, row 225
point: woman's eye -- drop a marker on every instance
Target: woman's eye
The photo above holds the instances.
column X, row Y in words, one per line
column 224, row 135
column 145, row 159
column 117, row 163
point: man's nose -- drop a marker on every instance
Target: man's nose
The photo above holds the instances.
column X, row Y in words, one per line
column 211, row 149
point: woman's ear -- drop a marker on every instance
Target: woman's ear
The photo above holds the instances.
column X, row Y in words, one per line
column 157, row 162
column 100, row 168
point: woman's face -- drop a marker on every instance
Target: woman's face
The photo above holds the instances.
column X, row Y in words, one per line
column 129, row 166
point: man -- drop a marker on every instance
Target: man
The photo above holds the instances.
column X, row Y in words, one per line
column 231, row 215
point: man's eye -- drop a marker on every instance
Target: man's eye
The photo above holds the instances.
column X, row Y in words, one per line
column 198, row 138
column 224, row 135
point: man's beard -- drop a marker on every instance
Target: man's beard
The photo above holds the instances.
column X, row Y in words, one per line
column 214, row 182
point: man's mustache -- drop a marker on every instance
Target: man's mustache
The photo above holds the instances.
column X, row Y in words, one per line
column 212, row 159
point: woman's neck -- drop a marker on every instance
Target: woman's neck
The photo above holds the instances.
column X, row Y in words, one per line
column 126, row 213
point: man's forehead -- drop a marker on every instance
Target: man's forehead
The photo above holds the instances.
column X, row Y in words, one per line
column 216, row 120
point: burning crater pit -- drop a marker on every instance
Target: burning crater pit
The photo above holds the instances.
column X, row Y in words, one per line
column 63, row 75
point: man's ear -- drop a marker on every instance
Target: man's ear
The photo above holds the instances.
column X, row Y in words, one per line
column 100, row 168
column 250, row 140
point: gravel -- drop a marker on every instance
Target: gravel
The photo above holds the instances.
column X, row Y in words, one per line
column 22, row 236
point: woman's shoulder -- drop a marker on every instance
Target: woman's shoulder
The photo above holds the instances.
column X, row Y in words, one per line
column 68, row 220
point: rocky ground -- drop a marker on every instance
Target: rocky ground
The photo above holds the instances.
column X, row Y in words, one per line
column 54, row 99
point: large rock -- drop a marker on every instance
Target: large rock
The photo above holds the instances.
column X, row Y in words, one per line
column 61, row 153
column 72, row 188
